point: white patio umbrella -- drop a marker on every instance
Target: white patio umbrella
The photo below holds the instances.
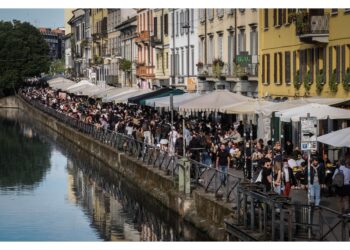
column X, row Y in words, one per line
column 123, row 97
column 339, row 138
column 62, row 84
column 320, row 111
column 212, row 101
column 114, row 92
column 253, row 106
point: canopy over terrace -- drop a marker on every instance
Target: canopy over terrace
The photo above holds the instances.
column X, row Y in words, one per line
column 61, row 83
column 164, row 102
column 320, row 111
column 212, row 102
column 114, row 91
column 173, row 92
column 124, row 96
column 79, row 86
column 91, row 90
column 139, row 98
column 339, row 138
column 253, row 106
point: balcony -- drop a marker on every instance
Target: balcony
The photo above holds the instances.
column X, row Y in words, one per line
column 144, row 36
column 145, row 71
column 312, row 28
column 211, row 72
column 249, row 72
column 112, row 80
column 156, row 42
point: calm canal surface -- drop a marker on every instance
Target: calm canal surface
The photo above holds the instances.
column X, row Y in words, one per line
column 52, row 191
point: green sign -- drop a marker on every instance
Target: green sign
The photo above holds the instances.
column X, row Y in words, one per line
column 243, row 59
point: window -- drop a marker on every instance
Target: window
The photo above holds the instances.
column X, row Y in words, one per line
column 230, row 51
column 220, row 13
column 229, row 11
column 346, row 11
column 266, row 18
column 241, row 41
column 167, row 60
column 220, row 46
column 210, row 49
column 280, row 17
column 277, row 73
column 182, row 61
column 210, row 14
column 187, row 20
column 166, row 21
column 284, row 16
column 241, row 11
column 338, row 65
column 330, row 62
column 291, row 13
column 155, row 27
column 192, row 20
column 274, row 17
column 253, row 41
column 287, row 66
column 172, row 24
column 181, row 22
column 334, row 12
column 201, row 15
column 177, row 23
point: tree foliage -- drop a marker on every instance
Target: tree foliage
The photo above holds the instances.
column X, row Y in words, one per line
column 23, row 53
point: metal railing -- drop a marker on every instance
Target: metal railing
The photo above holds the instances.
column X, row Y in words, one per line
column 268, row 216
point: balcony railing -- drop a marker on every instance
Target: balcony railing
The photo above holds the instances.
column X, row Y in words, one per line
column 155, row 41
column 309, row 27
column 143, row 36
column 145, row 71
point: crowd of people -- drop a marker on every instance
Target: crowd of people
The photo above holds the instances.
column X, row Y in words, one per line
column 215, row 144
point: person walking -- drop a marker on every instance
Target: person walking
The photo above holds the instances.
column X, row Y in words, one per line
column 222, row 163
column 317, row 180
column 288, row 178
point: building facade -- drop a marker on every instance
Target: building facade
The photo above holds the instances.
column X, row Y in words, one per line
column 183, row 53
column 128, row 51
column 68, row 14
column 145, row 69
column 226, row 36
column 160, row 43
column 99, row 45
column 304, row 52
column 81, row 42
column 55, row 41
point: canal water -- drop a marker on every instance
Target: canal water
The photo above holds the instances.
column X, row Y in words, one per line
column 50, row 190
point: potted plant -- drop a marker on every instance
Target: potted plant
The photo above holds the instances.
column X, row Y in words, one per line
column 307, row 81
column 346, row 80
column 319, row 81
column 199, row 65
column 333, row 86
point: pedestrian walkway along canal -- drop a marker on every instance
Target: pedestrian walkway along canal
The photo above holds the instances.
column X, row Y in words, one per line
column 50, row 190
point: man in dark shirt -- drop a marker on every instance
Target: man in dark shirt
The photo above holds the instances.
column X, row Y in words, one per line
column 222, row 163
column 267, row 174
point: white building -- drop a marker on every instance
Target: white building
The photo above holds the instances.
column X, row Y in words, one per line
column 181, row 22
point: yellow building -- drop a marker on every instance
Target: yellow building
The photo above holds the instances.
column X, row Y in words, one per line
column 100, row 42
column 304, row 52
column 160, row 42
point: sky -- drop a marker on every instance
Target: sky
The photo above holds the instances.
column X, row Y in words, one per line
column 48, row 18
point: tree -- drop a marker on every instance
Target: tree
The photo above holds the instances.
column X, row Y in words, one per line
column 57, row 67
column 23, row 53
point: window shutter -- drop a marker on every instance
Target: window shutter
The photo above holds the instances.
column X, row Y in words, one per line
column 287, row 66
column 294, row 63
column 301, row 58
column 275, row 67
column 280, row 67
column 312, row 64
column 343, row 62
column 324, row 63
column 317, row 59
column 263, row 69
column 266, row 18
column 274, row 17
column 330, row 55
column 268, row 68
column 338, row 67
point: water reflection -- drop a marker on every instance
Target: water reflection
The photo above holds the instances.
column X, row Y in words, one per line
column 32, row 157
column 113, row 208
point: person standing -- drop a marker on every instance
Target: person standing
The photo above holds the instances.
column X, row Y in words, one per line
column 266, row 178
column 288, row 178
column 277, row 177
column 317, row 180
column 343, row 191
column 222, row 163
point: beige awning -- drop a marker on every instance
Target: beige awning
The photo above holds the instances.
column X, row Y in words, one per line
column 212, row 101
column 253, row 106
